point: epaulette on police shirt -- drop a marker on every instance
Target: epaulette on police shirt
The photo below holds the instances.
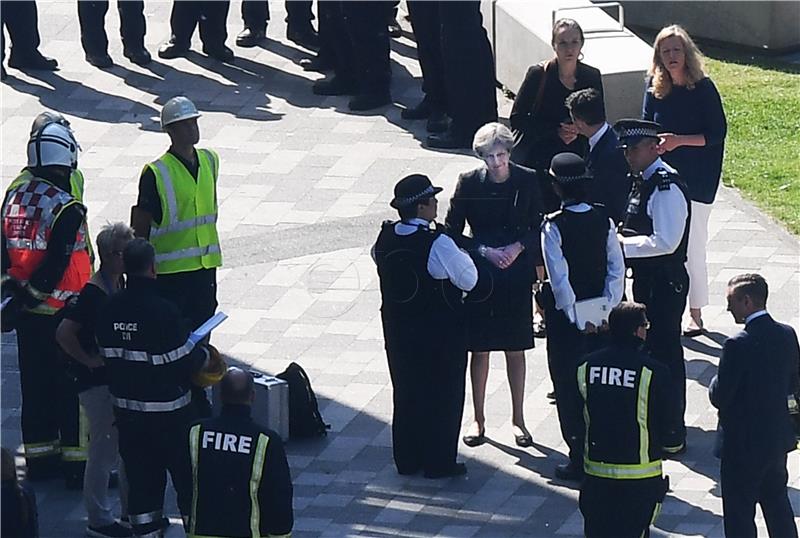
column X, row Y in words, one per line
column 665, row 179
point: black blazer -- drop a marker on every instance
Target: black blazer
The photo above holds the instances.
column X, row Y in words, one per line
column 757, row 372
column 611, row 184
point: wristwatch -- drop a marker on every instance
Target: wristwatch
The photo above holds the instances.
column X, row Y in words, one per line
column 482, row 249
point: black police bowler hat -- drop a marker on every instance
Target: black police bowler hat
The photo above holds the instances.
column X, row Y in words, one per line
column 412, row 189
column 568, row 168
column 629, row 131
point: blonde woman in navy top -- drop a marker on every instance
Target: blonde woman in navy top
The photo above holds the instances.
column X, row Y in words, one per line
column 682, row 98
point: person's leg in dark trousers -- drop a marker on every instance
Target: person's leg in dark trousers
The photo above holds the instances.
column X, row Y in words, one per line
column 619, row 508
column 21, row 20
column 299, row 17
column 739, row 496
column 74, row 431
column 213, row 26
column 40, row 370
column 255, row 14
column 133, row 25
column 183, row 20
column 143, row 453
column 774, row 500
column 468, row 69
column 565, row 346
column 665, row 306
column 178, row 460
column 337, row 42
column 92, row 21
column 444, row 407
column 428, row 33
column 407, row 430
column 366, row 26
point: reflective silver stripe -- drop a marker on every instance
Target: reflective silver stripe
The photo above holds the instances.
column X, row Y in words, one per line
column 166, row 180
column 154, row 407
column 193, row 252
column 147, row 517
column 63, row 295
column 184, row 225
column 144, row 356
column 27, row 244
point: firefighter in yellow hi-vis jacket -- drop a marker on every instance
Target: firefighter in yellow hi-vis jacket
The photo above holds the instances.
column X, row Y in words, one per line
column 624, row 395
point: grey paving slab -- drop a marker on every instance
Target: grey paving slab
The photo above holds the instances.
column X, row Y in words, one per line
column 304, row 185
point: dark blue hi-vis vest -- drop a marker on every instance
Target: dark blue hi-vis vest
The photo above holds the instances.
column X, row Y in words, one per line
column 623, row 408
column 639, row 222
column 241, row 482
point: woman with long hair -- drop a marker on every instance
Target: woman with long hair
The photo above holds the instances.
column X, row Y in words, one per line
column 684, row 101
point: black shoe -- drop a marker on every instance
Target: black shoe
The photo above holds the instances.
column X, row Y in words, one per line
column 308, row 38
column 333, row 86
column 138, row 56
column 408, row 471
column 420, row 112
column 102, row 60
column 369, row 101
column 438, row 122
column 394, row 29
column 458, row 469
column 447, row 140
column 35, row 61
column 223, row 54
column 568, row 471
column 115, row 530
column 551, row 395
column 249, row 38
column 474, row 440
column 317, row 63
column 170, row 50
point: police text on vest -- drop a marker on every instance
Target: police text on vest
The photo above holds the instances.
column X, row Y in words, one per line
column 612, row 376
column 227, row 442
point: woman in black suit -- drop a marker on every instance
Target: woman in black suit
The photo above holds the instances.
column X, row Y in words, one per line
column 545, row 125
column 500, row 202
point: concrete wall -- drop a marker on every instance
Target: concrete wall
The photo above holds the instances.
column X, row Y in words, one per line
column 773, row 26
column 520, row 31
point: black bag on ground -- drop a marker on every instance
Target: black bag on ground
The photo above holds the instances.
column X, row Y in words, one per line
column 304, row 418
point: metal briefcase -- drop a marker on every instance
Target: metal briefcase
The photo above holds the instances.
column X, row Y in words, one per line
column 271, row 406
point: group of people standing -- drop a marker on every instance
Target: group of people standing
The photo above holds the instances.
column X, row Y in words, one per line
column 584, row 204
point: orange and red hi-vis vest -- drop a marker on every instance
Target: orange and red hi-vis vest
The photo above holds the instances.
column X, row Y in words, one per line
column 30, row 212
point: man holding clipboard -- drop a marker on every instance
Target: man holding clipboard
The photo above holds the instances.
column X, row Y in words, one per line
column 586, row 279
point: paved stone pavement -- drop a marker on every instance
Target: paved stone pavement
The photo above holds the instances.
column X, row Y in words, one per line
column 304, row 185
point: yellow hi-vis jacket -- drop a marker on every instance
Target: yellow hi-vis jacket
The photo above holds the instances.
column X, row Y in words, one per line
column 186, row 238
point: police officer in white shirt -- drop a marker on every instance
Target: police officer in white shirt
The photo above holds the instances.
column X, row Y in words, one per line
column 584, row 261
column 423, row 276
column 654, row 239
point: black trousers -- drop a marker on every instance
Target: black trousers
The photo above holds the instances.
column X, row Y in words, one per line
column 152, row 444
column 92, row 16
column 210, row 15
column 21, row 20
column 427, row 26
column 468, row 67
column 746, row 482
column 50, row 407
column 620, row 508
column 367, row 29
column 428, row 396
column 565, row 347
column 663, row 289
column 255, row 14
column 335, row 44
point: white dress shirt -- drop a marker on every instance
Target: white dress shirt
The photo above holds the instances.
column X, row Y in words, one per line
column 558, row 269
column 595, row 138
column 754, row 315
column 669, row 210
column 446, row 260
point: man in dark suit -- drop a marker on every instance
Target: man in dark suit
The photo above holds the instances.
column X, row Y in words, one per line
column 605, row 160
column 757, row 371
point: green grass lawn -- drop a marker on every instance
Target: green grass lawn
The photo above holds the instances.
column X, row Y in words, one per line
column 762, row 150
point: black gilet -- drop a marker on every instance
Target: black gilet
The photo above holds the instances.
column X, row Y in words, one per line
column 412, row 300
column 638, row 222
column 583, row 242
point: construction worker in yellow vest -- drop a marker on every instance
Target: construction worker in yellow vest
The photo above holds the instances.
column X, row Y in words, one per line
column 45, row 262
column 177, row 211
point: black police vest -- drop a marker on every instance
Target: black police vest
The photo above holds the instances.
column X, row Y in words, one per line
column 622, row 393
column 638, row 222
column 413, row 302
column 583, row 243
